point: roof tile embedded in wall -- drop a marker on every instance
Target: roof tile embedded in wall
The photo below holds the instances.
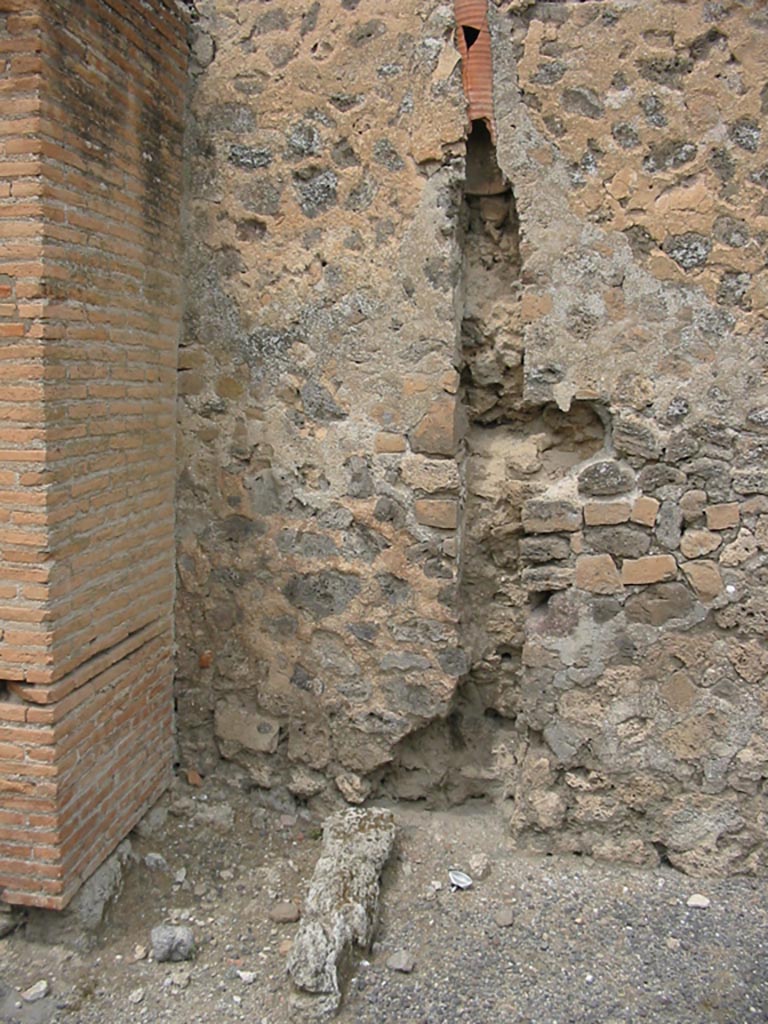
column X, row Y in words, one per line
column 476, row 67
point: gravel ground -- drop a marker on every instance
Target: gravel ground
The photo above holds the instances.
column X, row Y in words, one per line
column 588, row 943
column 536, row 941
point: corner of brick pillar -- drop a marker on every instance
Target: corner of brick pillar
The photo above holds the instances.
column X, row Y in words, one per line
column 89, row 320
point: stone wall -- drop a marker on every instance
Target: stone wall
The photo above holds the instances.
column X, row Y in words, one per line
column 472, row 496
column 91, row 106
column 632, row 137
column 319, row 406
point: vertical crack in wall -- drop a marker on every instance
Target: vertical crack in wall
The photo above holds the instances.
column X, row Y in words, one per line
column 516, row 455
column 513, row 453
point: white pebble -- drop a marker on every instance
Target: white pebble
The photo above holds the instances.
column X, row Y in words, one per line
column 697, row 900
column 37, row 991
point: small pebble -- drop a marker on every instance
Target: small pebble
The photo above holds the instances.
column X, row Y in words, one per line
column 697, row 900
column 284, row 912
column 479, row 866
column 504, row 917
column 37, row 991
column 401, row 961
column 180, row 977
column 136, row 996
column 247, row 977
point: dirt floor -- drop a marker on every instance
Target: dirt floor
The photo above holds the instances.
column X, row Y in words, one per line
column 534, row 941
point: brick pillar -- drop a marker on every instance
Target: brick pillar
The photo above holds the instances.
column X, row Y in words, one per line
column 91, row 118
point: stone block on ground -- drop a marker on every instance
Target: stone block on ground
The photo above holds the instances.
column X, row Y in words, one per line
column 341, row 907
column 173, row 943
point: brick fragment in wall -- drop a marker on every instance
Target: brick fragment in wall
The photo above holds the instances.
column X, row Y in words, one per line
column 704, row 577
column 607, row 513
column 723, row 516
column 390, row 443
column 697, row 543
column 649, row 569
column 474, row 45
column 438, row 430
column 438, row 513
column 598, row 574
column 645, row 510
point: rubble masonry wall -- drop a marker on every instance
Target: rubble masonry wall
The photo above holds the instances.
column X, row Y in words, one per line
column 472, row 489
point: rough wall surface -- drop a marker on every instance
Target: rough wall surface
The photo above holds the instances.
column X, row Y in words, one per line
column 641, row 184
column 92, row 97
column 472, row 490
column 318, row 496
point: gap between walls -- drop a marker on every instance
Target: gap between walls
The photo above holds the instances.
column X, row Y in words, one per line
column 512, row 453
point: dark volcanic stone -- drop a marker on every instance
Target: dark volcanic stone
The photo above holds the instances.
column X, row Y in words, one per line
column 656, row 605
column 605, row 478
column 322, row 593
